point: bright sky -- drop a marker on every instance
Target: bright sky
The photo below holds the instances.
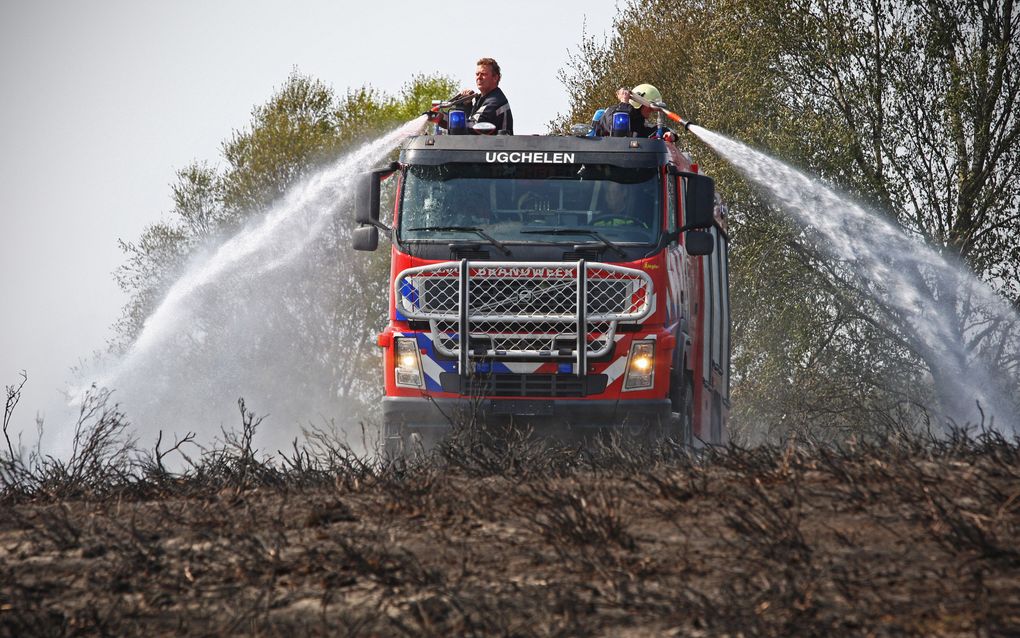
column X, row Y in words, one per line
column 103, row 101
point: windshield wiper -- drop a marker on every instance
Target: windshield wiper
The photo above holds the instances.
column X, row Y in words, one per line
column 577, row 231
column 467, row 229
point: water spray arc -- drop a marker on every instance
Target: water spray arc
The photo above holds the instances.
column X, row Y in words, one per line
column 948, row 329
column 281, row 234
column 237, row 322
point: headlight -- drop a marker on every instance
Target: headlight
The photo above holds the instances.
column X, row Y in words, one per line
column 407, row 362
column 640, row 366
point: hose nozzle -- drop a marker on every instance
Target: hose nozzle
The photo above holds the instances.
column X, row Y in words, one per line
column 661, row 106
column 458, row 99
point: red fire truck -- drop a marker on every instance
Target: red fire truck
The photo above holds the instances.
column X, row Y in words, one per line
column 562, row 281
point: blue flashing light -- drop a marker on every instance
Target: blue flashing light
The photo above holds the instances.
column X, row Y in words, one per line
column 565, row 368
column 621, row 124
column 458, row 122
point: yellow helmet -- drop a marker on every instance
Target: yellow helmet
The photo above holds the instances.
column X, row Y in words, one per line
column 646, row 91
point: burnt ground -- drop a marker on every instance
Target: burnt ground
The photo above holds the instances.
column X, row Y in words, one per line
column 904, row 536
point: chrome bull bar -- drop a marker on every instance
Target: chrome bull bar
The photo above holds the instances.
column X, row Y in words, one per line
column 523, row 310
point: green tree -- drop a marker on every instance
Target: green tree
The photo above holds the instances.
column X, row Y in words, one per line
column 306, row 324
column 920, row 96
column 909, row 106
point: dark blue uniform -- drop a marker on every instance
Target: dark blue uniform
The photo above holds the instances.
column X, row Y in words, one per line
column 494, row 108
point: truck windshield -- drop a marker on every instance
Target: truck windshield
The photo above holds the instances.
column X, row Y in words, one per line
column 516, row 202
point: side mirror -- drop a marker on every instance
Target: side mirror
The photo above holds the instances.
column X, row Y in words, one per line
column 367, row 197
column 366, row 206
column 698, row 243
column 699, row 203
column 366, row 238
column 699, row 199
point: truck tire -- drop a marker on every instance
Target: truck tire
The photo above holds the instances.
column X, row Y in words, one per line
column 401, row 442
column 394, row 442
column 681, row 397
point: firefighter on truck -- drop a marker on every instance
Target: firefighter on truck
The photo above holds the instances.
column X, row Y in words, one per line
column 572, row 282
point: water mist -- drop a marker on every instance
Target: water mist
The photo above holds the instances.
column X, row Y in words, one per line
column 957, row 324
column 246, row 315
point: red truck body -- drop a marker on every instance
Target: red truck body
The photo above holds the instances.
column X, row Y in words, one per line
column 513, row 295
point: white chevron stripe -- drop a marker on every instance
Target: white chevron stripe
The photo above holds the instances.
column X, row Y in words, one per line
column 431, row 368
column 616, row 369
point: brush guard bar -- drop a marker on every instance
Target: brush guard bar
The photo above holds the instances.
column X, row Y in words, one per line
column 554, row 311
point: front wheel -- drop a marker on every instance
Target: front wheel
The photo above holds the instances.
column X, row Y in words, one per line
column 682, row 403
column 400, row 442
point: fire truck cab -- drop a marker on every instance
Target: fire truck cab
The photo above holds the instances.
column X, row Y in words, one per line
column 565, row 282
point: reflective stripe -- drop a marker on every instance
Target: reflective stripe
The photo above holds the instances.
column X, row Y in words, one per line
column 431, row 368
column 616, row 370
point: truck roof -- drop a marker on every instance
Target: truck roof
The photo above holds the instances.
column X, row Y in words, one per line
column 534, row 149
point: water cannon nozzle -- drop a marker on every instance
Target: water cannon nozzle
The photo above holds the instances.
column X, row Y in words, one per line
column 662, row 108
column 457, row 100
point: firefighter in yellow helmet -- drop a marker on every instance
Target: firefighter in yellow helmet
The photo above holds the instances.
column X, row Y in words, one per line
column 639, row 114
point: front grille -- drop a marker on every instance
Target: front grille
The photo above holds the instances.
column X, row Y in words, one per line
column 435, row 294
column 524, row 385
